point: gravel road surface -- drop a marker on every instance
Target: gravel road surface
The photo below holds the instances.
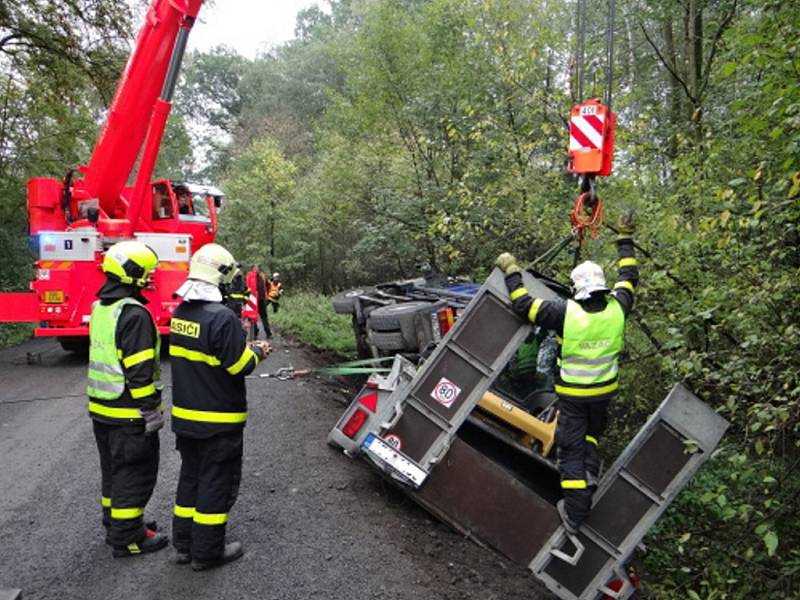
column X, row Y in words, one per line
column 314, row 523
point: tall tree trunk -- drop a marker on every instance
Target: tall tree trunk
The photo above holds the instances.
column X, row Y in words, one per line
column 675, row 92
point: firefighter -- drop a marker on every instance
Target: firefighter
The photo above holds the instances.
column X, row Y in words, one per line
column 255, row 281
column 125, row 398
column 210, row 358
column 275, row 291
column 590, row 331
column 236, row 294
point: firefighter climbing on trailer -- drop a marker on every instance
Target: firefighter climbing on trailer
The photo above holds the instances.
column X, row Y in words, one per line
column 125, row 398
column 590, row 334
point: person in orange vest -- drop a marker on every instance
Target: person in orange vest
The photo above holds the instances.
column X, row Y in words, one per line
column 275, row 291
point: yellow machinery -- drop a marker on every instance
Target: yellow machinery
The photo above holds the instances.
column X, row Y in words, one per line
column 531, row 427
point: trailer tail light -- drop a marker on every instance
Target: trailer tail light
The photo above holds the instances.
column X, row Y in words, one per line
column 442, row 322
column 445, row 320
column 354, row 423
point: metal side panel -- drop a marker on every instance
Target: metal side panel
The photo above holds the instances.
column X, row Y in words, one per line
column 658, row 463
column 453, row 379
column 488, row 503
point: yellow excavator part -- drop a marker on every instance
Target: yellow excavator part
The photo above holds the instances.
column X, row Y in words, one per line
column 521, row 420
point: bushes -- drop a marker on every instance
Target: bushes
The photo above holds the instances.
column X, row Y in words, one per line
column 311, row 318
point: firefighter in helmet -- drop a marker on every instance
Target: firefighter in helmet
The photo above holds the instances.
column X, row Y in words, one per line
column 210, row 358
column 589, row 329
column 125, row 397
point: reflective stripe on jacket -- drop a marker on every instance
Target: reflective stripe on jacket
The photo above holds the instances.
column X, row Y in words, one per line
column 210, row 358
column 107, row 382
column 592, row 341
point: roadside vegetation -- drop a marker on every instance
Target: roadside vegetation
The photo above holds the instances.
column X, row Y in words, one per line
column 309, row 317
column 395, row 134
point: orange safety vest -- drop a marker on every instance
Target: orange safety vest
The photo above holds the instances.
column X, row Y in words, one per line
column 275, row 291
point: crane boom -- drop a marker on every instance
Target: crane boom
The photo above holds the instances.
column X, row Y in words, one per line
column 129, row 115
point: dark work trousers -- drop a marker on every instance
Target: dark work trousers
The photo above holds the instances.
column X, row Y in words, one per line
column 578, row 457
column 275, row 306
column 262, row 312
column 211, row 470
column 129, row 467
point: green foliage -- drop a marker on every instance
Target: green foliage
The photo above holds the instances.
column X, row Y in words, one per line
column 311, row 318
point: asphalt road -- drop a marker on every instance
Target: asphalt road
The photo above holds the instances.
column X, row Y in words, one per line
column 314, row 523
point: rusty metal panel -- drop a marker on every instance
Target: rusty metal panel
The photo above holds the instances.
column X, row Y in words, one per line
column 660, row 460
column 578, row 577
column 452, row 367
column 618, row 512
column 416, row 432
column 492, row 331
column 483, row 500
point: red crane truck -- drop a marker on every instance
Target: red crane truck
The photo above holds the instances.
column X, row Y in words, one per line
column 74, row 220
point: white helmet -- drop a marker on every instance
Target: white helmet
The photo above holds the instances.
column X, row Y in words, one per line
column 588, row 277
column 276, row 275
column 213, row 264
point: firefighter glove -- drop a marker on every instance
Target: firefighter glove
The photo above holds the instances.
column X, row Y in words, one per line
column 626, row 225
column 153, row 420
column 507, row 263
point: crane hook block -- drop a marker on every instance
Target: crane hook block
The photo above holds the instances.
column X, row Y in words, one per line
column 591, row 138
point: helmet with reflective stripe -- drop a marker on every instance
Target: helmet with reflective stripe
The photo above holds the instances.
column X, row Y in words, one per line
column 213, row 264
column 587, row 278
column 130, row 262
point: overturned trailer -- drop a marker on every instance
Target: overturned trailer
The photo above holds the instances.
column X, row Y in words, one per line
column 480, row 462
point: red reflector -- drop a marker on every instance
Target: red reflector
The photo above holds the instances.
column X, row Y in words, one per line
column 370, row 401
column 354, row 423
column 372, row 385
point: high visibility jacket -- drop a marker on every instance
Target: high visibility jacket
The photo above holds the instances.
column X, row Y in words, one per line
column 275, row 291
column 111, row 398
column 590, row 347
column 210, row 359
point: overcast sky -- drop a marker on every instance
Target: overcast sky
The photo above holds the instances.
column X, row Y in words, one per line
column 248, row 26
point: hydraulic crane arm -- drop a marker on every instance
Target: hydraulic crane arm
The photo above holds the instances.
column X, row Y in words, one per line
column 137, row 95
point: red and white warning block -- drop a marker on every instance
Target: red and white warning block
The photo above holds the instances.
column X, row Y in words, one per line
column 591, row 138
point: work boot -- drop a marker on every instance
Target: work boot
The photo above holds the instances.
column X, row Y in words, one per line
column 233, row 550
column 182, row 558
column 152, row 542
column 570, row 525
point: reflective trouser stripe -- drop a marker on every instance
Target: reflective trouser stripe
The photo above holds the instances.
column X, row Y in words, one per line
column 624, row 284
column 139, row 357
column 240, row 364
column 184, row 512
column 585, row 392
column 534, row 310
column 627, row 262
column 134, row 548
column 518, row 292
column 213, row 519
column 105, row 501
column 126, row 513
column 143, row 392
column 591, row 439
column 574, row 484
column 114, row 413
column 207, row 416
column 193, row 355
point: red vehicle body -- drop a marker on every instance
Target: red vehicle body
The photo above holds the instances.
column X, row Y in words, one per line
column 75, row 220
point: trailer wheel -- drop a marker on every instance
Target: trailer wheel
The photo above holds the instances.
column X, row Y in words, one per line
column 344, row 303
column 74, row 343
column 395, row 316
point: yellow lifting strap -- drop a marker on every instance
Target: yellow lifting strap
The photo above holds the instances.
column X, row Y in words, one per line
column 521, row 420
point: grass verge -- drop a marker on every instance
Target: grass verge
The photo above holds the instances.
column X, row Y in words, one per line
column 310, row 318
column 16, row 333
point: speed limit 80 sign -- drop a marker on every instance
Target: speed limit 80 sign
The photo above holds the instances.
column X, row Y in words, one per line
column 445, row 392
